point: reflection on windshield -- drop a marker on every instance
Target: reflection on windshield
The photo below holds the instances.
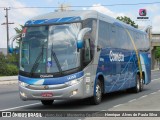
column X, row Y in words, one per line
column 33, row 40
column 62, row 38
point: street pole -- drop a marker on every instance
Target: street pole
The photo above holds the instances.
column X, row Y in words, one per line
column 7, row 27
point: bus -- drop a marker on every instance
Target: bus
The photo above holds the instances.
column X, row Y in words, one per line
column 81, row 54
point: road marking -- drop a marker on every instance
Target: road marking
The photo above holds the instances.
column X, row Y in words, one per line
column 155, row 79
column 143, row 96
column 20, row 106
column 103, row 110
column 153, row 93
column 132, row 100
column 117, row 105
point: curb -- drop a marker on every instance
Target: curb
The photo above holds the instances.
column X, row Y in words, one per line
column 155, row 70
column 8, row 78
column 8, row 82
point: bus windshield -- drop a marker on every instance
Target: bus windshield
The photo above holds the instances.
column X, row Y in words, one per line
column 50, row 49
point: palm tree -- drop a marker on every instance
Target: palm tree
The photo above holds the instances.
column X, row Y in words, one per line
column 18, row 31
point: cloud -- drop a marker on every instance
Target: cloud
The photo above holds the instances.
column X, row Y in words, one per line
column 18, row 16
column 152, row 8
column 155, row 24
column 154, row 18
column 154, row 21
column 105, row 10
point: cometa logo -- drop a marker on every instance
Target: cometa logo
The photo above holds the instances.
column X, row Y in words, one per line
column 46, row 76
column 116, row 57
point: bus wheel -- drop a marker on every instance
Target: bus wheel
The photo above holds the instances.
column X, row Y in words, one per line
column 47, row 102
column 141, row 84
column 138, row 86
column 96, row 99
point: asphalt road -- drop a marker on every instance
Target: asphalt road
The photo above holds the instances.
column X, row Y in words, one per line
column 10, row 101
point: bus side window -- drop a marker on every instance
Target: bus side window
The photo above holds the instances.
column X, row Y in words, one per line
column 87, row 51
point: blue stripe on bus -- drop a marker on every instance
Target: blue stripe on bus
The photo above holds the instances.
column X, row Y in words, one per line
column 51, row 21
column 114, row 81
column 35, row 22
column 50, row 81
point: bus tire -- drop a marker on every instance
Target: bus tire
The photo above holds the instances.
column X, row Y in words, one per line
column 141, row 84
column 47, row 102
column 97, row 98
column 136, row 89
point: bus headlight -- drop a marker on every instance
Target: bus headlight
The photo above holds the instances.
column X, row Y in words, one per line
column 73, row 82
column 23, row 84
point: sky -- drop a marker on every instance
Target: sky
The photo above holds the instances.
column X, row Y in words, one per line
column 20, row 16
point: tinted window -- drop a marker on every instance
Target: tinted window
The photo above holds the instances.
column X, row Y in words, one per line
column 103, row 34
column 123, row 39
column 120, row 38
column 138, row 40
column 91, row 23
column 113, row 37
column 87, row 51
column 129, row 41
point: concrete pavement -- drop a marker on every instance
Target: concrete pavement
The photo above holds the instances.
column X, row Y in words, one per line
column 144, row 103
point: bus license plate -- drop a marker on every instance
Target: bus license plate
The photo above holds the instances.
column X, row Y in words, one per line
column 47, row 94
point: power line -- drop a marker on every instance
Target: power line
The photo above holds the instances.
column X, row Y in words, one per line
column 125, row 4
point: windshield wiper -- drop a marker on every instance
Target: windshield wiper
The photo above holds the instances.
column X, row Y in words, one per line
column 56, row 60
column 36, row 63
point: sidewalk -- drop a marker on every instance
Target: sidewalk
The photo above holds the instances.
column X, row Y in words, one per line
column 8, row 80
column 155, row 69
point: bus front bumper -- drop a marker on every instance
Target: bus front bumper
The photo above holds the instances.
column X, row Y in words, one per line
column 52, row 92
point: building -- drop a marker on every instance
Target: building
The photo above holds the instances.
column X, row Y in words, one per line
column 156, row 36
column 155, row 42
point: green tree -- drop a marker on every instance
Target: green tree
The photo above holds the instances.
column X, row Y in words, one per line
column 19, row 30
column 127, row 20
column 8, row 65
column 157, row 53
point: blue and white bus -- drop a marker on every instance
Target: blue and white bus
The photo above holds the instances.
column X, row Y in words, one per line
column 81, row 54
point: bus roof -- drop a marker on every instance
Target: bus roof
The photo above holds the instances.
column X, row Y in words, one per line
column 83, row 14
column 72, row 16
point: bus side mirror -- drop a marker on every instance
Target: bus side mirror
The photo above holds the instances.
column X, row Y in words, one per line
column 80, row 44
column 11, row 40
column 80, row 37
